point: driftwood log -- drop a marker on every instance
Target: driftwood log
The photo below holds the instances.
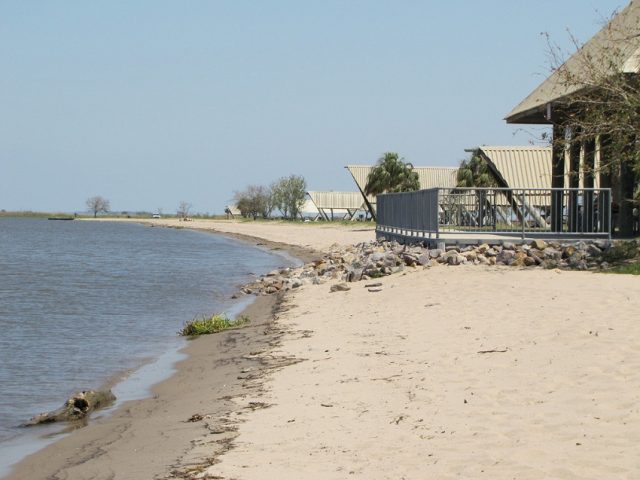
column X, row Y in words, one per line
column 76, row 408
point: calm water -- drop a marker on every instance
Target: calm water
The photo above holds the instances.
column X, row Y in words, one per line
column 81, row 302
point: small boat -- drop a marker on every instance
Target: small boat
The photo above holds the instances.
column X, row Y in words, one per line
column 60, row 218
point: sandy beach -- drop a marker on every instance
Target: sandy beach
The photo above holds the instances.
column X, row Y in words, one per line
column 445, row 372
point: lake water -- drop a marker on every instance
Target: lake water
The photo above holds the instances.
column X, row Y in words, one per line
column 81, row 303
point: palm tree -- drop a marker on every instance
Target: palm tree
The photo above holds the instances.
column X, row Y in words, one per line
column 391, row 174
column 475, row 172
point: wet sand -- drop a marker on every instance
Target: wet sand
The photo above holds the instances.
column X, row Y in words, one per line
column 153, row 438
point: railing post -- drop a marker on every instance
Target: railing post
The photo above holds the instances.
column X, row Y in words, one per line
column 437, row 195
column 524, row 213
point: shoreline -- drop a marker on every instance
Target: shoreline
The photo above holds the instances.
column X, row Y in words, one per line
column 157, row 428
column 459, row 371
column 229, row 351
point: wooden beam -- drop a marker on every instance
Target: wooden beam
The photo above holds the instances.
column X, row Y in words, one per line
column 575, row 147
column 557, row 178
column 589, row 180
column 604, row 171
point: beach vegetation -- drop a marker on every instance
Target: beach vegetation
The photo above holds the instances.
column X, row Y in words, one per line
column 98, row 205
column 620, row 252
column 628, row 268
column 205, row 325
column 392, row 174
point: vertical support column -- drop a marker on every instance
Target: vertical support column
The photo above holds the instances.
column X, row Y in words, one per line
column 557, row 177
column 588, row 171
column 574, row 179
column 482, row 195
column 627, row 184
column 604, row 208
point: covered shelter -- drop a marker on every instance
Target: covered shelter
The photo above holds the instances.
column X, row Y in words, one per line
column 344, row 204
column 309, row 210
column 430, row 177
column 578, row 159
column 521, row 168
column 232, row 211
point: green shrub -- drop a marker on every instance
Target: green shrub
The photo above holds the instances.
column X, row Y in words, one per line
column 213, row 324
column 620, row 251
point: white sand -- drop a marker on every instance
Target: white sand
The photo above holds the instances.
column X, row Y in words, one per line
column 393, row 384
column 315, row 235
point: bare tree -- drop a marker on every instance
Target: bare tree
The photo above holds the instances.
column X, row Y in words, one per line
column 183, row 210
column 98, row 205
column 602, row 92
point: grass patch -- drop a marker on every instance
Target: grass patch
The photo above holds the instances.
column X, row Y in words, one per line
column 213, row 324
column 629, row 269
column 621, row 251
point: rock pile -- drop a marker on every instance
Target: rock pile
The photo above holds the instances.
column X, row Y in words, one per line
column 376, row 259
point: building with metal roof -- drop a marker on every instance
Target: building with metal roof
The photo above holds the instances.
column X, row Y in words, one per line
column 430, row 177
column 565, row 99
column 343, row 204
column 232, row 211
column 309, row 210
column 519, row 167
column 537, row 107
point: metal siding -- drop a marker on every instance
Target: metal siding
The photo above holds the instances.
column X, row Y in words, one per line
column 336, row 200
column 523, row 167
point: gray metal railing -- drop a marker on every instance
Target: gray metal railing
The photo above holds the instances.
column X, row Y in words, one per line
column 419, row 220
column 557, row 212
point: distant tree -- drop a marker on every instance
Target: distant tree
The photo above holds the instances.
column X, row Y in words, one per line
column 391, row 174
column 183, row 210
column 255, row 201
column 474, row 172
column 98, row 205
column 289, row 195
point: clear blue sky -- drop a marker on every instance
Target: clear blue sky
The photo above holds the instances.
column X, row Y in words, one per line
column 152, row 102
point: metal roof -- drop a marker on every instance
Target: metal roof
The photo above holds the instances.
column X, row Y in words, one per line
column 521, row 167
column 336, row 200
column 430, row 177
column 620, row 35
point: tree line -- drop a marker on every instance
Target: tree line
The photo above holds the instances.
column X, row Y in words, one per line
column 287, row 195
